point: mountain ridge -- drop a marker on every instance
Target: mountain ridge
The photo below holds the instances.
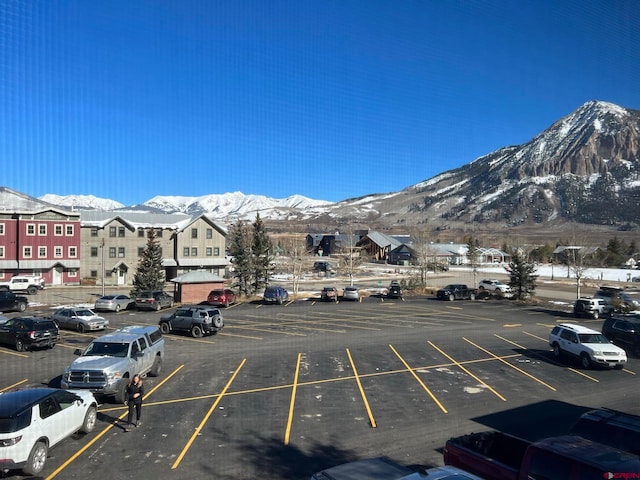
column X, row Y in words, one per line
column 572, row 172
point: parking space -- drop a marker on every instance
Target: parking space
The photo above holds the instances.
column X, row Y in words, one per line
column 283, row 391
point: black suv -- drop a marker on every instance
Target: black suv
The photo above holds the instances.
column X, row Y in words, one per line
column 194, row 319
column 29, row 332
column 624, row 332
column 10, row 301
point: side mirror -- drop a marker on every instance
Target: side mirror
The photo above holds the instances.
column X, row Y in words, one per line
column 138, row 354
column 77, row 351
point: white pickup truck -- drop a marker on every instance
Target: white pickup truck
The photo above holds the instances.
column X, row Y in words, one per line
column 23, row 283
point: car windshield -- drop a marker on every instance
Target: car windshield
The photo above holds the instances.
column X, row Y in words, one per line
column 97, row 349
column 592, row 338
column 107, row 297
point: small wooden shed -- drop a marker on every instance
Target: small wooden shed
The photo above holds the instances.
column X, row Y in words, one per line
column 194, row 286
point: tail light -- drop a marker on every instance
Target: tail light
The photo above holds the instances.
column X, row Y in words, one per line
column 31, row 334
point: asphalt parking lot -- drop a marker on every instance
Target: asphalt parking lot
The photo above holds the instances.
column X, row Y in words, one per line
column 284, row 391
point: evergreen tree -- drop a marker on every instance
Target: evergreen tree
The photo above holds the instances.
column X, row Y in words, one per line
column 522, row 277
column 149, row 273
column 239, row 246
column 261, row 248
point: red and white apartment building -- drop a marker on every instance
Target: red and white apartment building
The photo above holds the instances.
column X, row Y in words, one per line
column 43, row 242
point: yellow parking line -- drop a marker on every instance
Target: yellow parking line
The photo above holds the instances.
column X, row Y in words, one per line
column 14, row 385
column 15, row 354
column 293, row 401
column 426, row 389
column 105, row 430
column 464, row 369
column 206, row 417
column 510, row 365
column 364, row 397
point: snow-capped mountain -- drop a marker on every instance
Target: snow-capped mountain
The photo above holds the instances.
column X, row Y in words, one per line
column 585, row 169
column 81, row 202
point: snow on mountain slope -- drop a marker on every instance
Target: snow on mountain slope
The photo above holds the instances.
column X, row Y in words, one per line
column 85, row 202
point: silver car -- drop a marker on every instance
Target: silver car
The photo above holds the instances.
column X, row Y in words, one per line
column 79, row 318
column 113, row 303
column 351, row 293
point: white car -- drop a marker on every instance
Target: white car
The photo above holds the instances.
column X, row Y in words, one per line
column 33, row 420
column 494, row 286
column 351, row 293
column 589, row 346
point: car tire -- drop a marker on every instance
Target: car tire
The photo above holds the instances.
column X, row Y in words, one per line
column 165, row 327
column 585, row 361
column 22, row 306
column 158, row 307
column 89, row 422
column 80, row 327
column 218, row 322
column 481, row 289
column 36, row 460
column 117, row 308
column 596, row 315
column 280, row 302
column 20, row 346
column 556, row 350
column 156, row 368
column 121, row 392
column 196, row 331
column 32, row 290
column 452, row 298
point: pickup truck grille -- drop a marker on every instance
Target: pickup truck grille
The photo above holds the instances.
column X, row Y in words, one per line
column 86, row 376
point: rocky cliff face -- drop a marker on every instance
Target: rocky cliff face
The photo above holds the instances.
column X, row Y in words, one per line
column 584, row 168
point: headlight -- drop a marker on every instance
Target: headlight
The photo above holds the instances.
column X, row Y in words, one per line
column 113, row 376
column 597, row 352
column 8, row 442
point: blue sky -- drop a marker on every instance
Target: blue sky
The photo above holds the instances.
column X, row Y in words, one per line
column 331, row 99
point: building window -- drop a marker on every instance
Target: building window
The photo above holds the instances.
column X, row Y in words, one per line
column 69, row 231
column 1, row 228
column 73, row 272
column 57, row 230
column 209, row 251
column 94, row 231
column 120, row 252
column 194, row 233
column 209, row 233
column 185, row 252
column 31, row 229
column 26, row 252
column 121, row 231
column 112, row 231
column 159, row 232
column 72, row 252
column 94, row 251
column 108, row 273
column 216, row 251
column 141, row 232
column 112, row 252
column 94, row 274
column 140, row 250
column 194, row 251
column 42, row 252
column 57, row 252
column 42, row 229
column 1, row 251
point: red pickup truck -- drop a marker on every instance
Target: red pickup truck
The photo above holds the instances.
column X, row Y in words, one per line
column 499, row 456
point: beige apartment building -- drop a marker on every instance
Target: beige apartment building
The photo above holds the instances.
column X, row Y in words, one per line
column 111, row 243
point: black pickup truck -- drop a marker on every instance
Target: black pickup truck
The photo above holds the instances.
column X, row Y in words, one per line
column 456, row 291
column 9, row 301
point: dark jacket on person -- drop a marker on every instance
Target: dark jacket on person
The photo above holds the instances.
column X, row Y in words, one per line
column 132, row 389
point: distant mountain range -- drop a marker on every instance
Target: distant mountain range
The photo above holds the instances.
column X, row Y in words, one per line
column 583, row 169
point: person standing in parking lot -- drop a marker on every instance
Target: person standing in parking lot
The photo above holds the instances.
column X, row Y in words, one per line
column 135, row 392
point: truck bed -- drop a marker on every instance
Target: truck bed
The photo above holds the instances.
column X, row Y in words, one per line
column 491, row 455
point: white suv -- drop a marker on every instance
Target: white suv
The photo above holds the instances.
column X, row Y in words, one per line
column 494, row 286
column 589, row 346
column 35, row 419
